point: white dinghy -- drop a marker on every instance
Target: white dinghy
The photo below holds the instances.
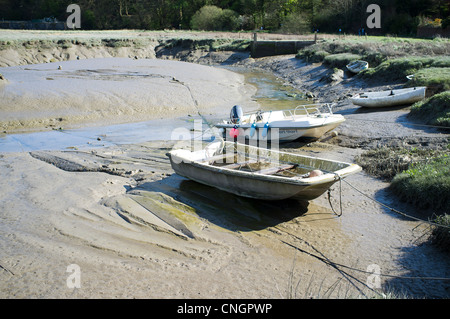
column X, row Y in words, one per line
column 357, row 66
column 304, row 122
column 259, row 173
column 389, row 98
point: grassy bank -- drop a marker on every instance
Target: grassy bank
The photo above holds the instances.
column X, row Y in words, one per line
column 420, row 177
column 376, row 50
column 194, row 44
column 390, row 59
column 440, row 236
column 436, row 78
column 33, row 47
column 209, row 44
column 427, row 71
column 387, row 162
column 426, row 184
column 434, row 110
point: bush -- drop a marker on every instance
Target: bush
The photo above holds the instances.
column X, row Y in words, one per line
column 312, row 56
column 296, row 23
column 212, row 18
column 434, row 110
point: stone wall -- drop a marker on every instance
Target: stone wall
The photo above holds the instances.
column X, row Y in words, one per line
column 32, row 25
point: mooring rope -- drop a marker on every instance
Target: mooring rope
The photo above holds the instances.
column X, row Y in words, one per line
column 337, row 176
column 395, row 210
column 195, row 102
column 336, row 265
column 211, row 126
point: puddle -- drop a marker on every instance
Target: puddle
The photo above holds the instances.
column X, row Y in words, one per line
column 93, row 137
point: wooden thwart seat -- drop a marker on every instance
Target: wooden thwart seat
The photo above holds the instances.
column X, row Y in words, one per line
column 266, row 171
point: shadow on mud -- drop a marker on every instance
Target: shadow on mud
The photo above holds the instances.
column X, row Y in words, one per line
column 226, row 210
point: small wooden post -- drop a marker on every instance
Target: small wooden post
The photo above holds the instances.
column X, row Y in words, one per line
column 254, row 44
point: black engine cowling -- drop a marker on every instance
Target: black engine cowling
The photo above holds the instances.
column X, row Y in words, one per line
column 236, row 114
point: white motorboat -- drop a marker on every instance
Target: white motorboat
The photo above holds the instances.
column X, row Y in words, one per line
column 304, row 122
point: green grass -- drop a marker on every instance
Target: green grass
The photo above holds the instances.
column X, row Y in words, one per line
column 426, row 184
column 390, row 59
column 437, row 78
column 387, row 162
column 376, row 50
column 398, row 69
column 434, row 110
column 340, row 60
column 418, row 176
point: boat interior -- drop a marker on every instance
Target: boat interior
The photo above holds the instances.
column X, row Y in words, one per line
column 291, row 114
column 262, row 165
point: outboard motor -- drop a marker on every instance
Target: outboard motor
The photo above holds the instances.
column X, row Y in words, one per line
column 236, row 114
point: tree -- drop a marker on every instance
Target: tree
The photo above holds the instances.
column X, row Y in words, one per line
column 213, row 18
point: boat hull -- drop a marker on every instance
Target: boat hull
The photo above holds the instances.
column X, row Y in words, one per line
column 386, row 99
column 357, row 66
column 257, row 189
column 285, row 132
column 260, row 186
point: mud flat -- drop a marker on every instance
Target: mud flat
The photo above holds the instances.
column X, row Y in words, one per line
column 137, row 230
column 108, row 91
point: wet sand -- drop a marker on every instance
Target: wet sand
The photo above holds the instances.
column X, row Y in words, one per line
column 137, row 230
column 108, row 91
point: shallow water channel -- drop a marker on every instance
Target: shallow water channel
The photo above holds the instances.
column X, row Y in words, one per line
column 271, row 94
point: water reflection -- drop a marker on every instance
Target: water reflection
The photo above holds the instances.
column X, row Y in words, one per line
column 271, row 92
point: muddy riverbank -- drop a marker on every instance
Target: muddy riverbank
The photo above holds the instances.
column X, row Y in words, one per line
column 137, row 230
column 364, row 128
column 109, row 91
